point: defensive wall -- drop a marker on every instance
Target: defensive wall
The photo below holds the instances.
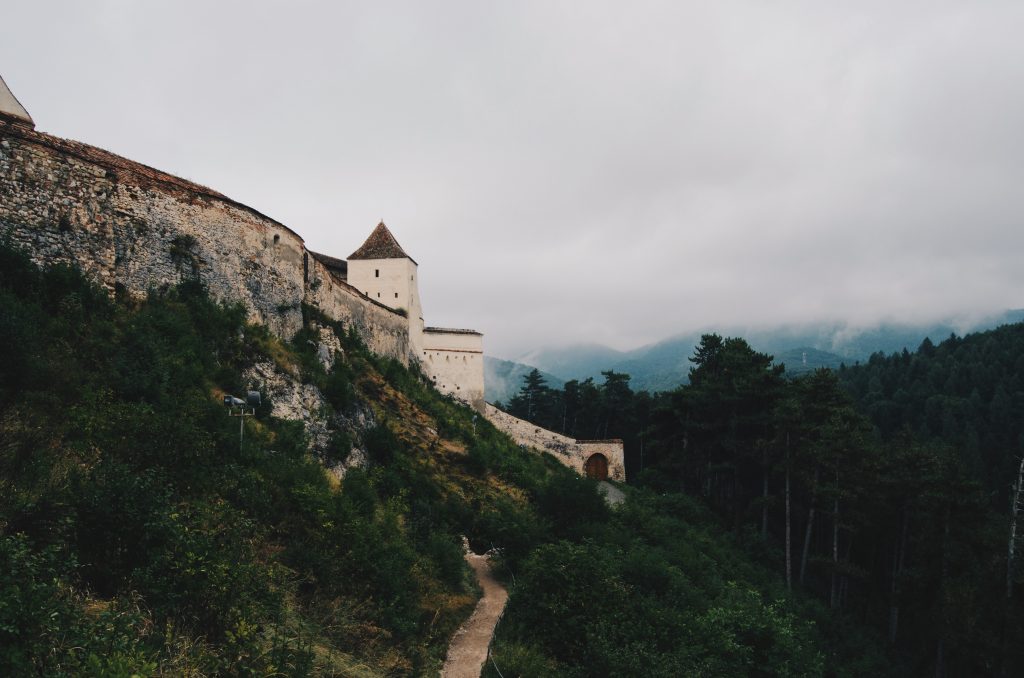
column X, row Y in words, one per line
column 134, row 228
column 571, row 452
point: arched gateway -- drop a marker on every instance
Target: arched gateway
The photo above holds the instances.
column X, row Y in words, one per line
column 597, row 467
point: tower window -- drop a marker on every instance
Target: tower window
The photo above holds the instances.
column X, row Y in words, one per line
column 396, row 295
column 378, row 295
column 376, row 273
column 277, row 238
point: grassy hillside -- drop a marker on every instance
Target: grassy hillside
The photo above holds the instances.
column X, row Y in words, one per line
column 137, row 537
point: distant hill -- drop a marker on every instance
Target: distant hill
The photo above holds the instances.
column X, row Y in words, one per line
column 503, row 378
column 575, row 361
column 665, row 364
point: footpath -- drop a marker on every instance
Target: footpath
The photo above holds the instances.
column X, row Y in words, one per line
column 468, row 651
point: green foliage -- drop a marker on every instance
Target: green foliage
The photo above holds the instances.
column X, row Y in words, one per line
column 45, row 628
column 895, row 501
column 197, row 557
column 182, row 248
column 572, row 506
column 651, row 595
column 137, row 537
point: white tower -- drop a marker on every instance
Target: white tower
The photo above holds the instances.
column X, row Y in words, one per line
column 382, row 270
column 11, row 109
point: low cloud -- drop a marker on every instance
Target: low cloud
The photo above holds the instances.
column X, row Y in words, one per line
column 583, row 172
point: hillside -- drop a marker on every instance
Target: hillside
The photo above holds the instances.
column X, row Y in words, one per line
column 130, row 517
column 140, row 536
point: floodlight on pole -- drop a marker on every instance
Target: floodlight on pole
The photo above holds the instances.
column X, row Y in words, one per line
column 252, row 401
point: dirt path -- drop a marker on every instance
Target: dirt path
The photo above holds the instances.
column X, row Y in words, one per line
column 613, row 495
column 468, row 651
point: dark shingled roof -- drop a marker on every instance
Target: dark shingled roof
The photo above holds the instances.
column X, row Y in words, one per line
column 449, row 330
column 381, row 245
column 338, row 267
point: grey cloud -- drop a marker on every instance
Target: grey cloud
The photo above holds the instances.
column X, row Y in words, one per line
column 582, row 171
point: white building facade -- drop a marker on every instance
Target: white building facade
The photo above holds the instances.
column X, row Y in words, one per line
column 453, row 359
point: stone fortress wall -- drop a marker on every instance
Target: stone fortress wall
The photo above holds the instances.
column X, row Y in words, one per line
column 133, row 228
column 573, row 453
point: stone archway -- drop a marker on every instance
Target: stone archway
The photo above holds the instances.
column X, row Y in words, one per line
column 597, row 467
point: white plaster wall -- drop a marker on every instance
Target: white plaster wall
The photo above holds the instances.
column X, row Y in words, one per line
column 391, row 282
column 455, row 363
column 466, row 340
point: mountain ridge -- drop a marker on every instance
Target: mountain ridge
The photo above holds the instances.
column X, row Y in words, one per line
column 665, row 364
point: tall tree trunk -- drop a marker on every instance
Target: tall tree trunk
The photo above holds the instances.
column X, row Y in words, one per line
column 940, row 647
column 810, row 527
column 898, row 559
column 833, row 601
column 844, row 581
column 764, row 495
column 1011, row 546
column 834, row 591
column 737, row 508
column 789, row 527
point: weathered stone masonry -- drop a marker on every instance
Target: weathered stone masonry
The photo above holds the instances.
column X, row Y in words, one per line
column 132, row 227
column 569, row 451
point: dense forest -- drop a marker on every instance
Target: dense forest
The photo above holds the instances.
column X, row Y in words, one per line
column 882, row 490
column 138, row 537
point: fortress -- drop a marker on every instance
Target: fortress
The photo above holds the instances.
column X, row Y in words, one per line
column 133, row 228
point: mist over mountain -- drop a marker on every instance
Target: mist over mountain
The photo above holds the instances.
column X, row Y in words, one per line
column 665, row 364
column 502, row 378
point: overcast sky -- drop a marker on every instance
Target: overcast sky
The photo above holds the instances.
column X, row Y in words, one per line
column 604, row 172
